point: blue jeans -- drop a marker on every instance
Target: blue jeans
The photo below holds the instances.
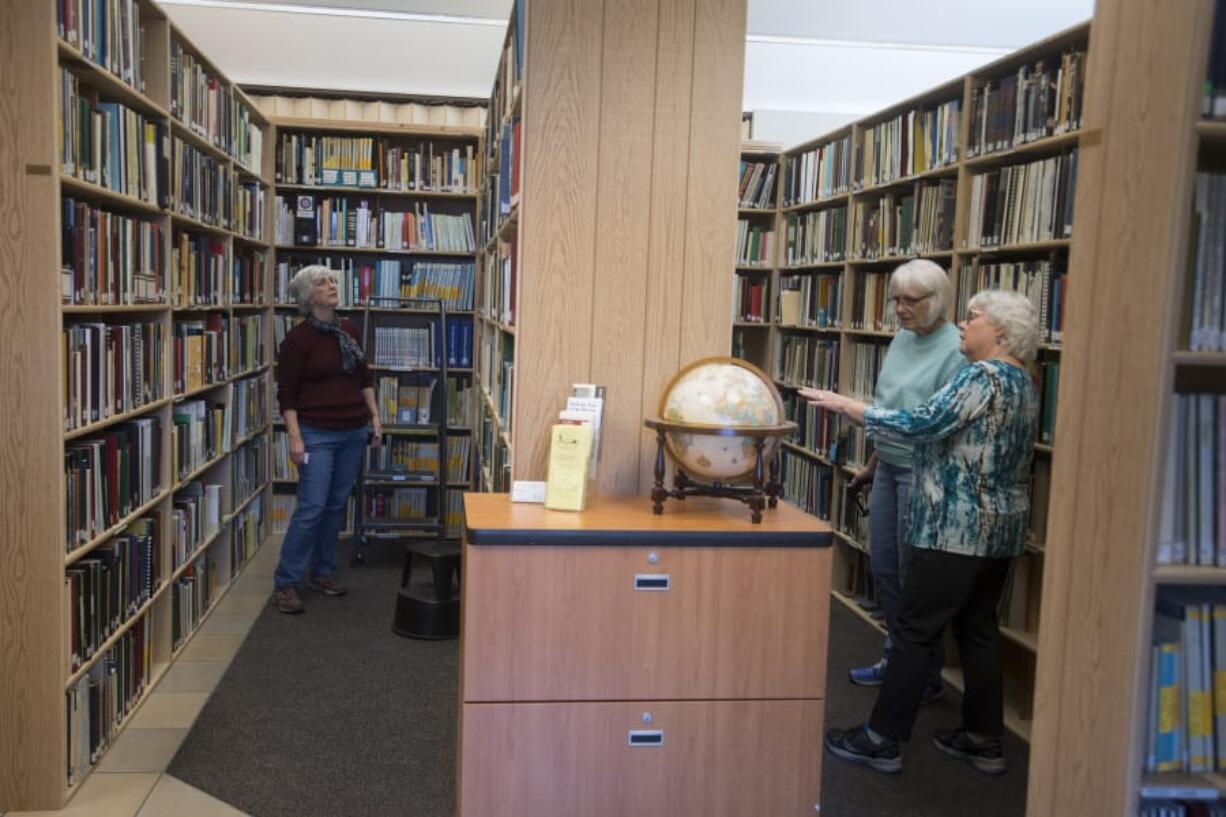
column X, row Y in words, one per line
column 888, row 550
column 324, row 483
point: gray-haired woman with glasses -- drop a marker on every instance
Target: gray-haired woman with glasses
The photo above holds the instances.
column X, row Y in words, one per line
column 922, row 358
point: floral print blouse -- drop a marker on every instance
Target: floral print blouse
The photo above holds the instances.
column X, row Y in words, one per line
column 974, row 440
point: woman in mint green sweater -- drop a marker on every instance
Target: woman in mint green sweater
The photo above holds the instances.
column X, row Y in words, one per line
column 921, row 359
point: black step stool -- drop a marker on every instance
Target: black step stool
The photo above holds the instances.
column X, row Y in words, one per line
column 429, row 609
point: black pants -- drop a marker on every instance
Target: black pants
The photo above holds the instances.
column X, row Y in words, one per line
column 943, row 587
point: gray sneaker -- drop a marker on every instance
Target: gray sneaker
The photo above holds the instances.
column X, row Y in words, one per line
column 287, row 600
column 987, row 756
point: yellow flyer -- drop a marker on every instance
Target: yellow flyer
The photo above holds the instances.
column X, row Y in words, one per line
column 570, row 448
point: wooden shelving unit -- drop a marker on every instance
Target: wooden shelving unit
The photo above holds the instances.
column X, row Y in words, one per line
column 822, row 486
column 35, row 617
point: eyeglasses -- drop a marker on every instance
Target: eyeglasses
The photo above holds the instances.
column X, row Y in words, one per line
column 909, row 302
column 972, row 316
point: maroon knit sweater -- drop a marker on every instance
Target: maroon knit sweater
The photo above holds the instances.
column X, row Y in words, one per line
column 310, row 380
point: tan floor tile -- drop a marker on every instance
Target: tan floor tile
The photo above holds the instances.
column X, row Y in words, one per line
column 143, row 750
column 172, row 797
column 193, row 676
column 170, row 710
column 212, row 648
column 227, row 623
column 244, row 601
column 103, row 795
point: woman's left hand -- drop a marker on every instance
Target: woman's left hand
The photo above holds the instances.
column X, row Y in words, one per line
column 376, row 434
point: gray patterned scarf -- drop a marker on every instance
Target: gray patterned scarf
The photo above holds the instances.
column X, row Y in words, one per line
column 351, row 352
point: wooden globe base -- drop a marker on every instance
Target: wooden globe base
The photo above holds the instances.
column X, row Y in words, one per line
column 763, row 492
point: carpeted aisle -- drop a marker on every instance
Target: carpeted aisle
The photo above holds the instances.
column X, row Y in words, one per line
column 932, row 784
column 331, row 713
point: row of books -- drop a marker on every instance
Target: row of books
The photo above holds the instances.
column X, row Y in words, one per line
column 199, row 98
column 1039, row 100
column 1181, row 808
column 405, row 403
column 811, row 300
column 756, row 187
column 402, row 455
column 1192, row 529
column 383, row 162
column 750, row 295
column 492, row 450
column 199, row 263
column 108, row 476
column 866, row 361
column 247, row 140
column 1207, row 318
column 896, row 225
column 461, row 400
column 109, row 259
column 250, row 200
column 401, row 347
column 871, row 307
column 195, row 518
column 818, row 430
column 283, row 468
column 500, row 282
column 1023, row 203
column 1213, row 105
column 359, row 280
column 247, row 277
column 816, row 237
column 1048, row 383
column 385, row 504
column 249, row 469
column 201, row 353
column 755, row 245
column 247, row 344
column 850, row 522
column 108, row 33
column 201, row 187
column 247, row 533
column 807, row 361
column 198, row 437
column 807, row 484
column 99, row 702
column 453, row 519
column 818, row 174
column 1187, row 714
column 1044, row 282
column 459, row 456
column 338, row 222
column 510, row 145
column 110, row 369
column 913, row 142
column 109, row 586
column 191, row 596
column 109, row 144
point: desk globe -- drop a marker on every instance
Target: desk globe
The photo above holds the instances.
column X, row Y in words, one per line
column 720, row 420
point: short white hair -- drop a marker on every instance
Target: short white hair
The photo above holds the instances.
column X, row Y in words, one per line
column 924, row 277
column 304, row 281
column 1013, row 315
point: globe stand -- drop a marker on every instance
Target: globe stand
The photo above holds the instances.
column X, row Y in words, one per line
column 764, row 490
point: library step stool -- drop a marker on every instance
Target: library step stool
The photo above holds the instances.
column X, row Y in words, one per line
column 429, row 609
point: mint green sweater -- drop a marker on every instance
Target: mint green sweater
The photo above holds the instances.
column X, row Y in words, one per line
column 915, row 367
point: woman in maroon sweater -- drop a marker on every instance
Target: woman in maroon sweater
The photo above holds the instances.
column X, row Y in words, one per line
column 327, row 398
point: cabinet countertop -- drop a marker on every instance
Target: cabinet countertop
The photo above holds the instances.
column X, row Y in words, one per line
column 492, row 519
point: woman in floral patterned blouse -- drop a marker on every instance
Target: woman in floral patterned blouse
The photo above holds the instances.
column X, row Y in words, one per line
column 973, row 443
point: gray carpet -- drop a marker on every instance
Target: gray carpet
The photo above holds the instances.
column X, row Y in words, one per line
column 331, row 713
column 931, row 784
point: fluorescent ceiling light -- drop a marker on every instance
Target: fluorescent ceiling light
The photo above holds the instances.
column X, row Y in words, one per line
column 333, row 11
column 775, row 39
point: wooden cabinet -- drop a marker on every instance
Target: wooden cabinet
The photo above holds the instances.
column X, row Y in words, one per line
column 617, row 662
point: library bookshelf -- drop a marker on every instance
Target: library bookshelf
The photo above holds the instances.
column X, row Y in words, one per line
column 838, row 217
column 417, row 242
column 755, row 259
column 137, row 344
column 604, row 241
column 1132, row 363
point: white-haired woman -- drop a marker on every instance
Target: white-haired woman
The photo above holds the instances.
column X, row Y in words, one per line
column 973, row 444
column 923, row 357
column 328, row 401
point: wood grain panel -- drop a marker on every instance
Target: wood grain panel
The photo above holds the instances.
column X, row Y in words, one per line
column 557, row 228
column 718, row 759
column 1142, row 98
column 719, row 60
column 624, row 190
column 31, row 437
column 666, row 237
column 583, row 632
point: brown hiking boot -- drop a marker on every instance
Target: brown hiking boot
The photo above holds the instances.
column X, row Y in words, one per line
column 287, row 600
column 328, row 585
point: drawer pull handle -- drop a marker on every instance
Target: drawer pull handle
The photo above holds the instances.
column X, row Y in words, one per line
column 646, row 737
column 652, row 581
